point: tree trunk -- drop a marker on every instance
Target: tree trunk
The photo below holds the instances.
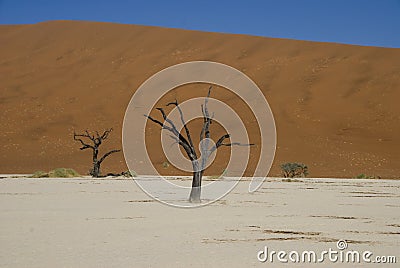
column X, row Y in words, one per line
column 96, row 163
column 96, row 170
column 195, row 193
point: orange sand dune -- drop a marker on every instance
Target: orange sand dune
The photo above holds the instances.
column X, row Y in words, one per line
column 336, row 106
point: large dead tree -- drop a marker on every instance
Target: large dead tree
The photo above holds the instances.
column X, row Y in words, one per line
column 95, row 140
column 187, row 144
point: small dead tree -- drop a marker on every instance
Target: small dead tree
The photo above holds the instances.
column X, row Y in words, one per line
column 198, row 165
column 95, row 140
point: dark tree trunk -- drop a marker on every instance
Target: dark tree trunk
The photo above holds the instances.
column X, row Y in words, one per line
column 95, row 172
column 96, row 164
column 195, row 193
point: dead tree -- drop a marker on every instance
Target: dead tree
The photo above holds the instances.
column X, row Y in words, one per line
column 96, row 141
column 198, row 165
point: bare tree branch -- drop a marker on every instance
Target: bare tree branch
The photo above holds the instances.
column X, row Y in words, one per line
column 169, row 121
column 209, row 92
column 183, row 122
column 84, row 145
column 220, row 143
column 162, row 113
column 204, row 124
column 220, row 140
column 182, row 141
column 106, row 133
column 107, row 154
column 159, row 123
column 238, row 144
column 174, row 130
column 207, row 114
column 87, row 135
column 175, row 139
column 205, row 133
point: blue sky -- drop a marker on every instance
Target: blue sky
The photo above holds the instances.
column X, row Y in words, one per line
column 363, row 22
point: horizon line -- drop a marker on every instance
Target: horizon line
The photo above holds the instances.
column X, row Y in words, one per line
column 204, row 31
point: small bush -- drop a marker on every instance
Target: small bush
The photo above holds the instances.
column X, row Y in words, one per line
column 56, row 173
column 294, row 170
column 165, row 164
column 72, row 172
column 63, row 173
column 361, row 176
column 40, row 174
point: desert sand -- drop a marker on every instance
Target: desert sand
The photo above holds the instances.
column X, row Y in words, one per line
column 336, row 106
column 112, row 223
